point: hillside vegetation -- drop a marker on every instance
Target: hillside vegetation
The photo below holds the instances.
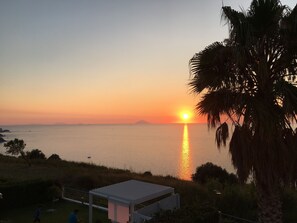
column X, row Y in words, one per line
column 199, row 203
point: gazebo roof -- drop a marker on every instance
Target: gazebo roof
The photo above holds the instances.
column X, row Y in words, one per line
column 132, row 191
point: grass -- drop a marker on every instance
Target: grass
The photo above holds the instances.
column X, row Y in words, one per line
column 78, row 175
column 52, row 212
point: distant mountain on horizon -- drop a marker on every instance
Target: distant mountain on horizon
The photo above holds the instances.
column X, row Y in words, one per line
column 142, row 122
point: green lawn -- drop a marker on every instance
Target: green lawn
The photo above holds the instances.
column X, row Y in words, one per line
column 57, row 212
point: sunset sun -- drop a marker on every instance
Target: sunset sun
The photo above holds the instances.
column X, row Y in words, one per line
column 185, row 116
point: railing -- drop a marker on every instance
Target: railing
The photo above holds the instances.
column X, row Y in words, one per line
column 82, row 197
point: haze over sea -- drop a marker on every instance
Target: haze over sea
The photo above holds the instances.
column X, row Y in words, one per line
column 167, row 149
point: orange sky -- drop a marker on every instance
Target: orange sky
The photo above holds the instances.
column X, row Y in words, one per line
column 163, row 111
column 92, row 62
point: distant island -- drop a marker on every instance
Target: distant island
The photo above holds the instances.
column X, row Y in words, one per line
column 142, row 122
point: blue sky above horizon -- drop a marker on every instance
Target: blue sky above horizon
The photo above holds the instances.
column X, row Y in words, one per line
column 103, row 61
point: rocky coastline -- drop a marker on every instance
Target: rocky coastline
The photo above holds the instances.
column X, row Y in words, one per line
column 2, row 140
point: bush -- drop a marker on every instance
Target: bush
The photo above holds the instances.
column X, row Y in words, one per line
column 54, row 157
column 209, row 171
column 238, row 200
column 147, row 173
column 54, row 192
column 24, row 193
column 35, row 154
column 86, row 181
column 198, row 213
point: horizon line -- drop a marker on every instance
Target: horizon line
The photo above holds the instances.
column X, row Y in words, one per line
column 128, row 123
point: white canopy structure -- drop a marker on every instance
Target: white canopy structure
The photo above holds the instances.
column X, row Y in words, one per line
column 123, row 197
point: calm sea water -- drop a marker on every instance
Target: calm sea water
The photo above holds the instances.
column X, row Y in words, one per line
column 173, row 149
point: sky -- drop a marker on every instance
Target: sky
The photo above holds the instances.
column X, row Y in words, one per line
column 103, row 61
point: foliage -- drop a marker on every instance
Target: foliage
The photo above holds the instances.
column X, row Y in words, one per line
column 16, row 147
column 35, row 154
column 86, row 181
column 147, row 173
column 54, row 192
column 24, row 193
column 198, row 202
column 199, row 213
column 238, row 200
column 249, row 80
column 54, row 157
column 210, row 171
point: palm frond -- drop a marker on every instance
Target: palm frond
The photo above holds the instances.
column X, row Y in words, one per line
column 264, row 117
column 239, row 28
column 212, row 68
column 288, row 96
column 241, row 151
column 222, row 134
column 289, row 31
column 214, row 104
column 264, row 16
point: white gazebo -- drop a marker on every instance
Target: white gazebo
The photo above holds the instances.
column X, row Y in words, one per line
column 123, row 197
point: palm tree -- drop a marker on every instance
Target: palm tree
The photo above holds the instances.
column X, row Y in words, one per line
column 249, row 80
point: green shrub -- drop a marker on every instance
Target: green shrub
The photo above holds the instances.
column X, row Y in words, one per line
column 199, row 213
column 147, row 173
column 87, row 182
column 54, row 157
column 24, row 193
column 209, row 171
column 239, row 201
column 35, row 154
column 54, row 192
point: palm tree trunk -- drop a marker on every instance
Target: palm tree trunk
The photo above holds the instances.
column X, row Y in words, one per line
column 269, row 205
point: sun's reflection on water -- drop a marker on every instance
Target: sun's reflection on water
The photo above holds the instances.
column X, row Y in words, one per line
column 185, row 165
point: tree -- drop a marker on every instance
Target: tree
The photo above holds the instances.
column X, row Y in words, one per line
column 249, row 80
column 54, row 157
column 209, row 171
column 16, row 147
column 35, row 154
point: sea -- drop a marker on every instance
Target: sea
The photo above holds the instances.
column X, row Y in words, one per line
column 163, row 149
